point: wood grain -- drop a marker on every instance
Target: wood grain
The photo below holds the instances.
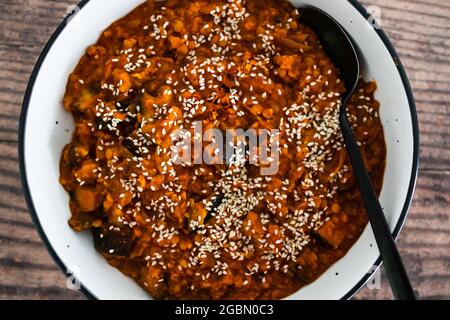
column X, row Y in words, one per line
column 420, row 31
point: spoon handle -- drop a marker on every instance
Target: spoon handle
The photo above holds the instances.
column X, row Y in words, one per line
column 396, row 273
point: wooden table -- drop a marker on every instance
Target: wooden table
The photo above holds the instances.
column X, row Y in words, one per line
column 420, row 30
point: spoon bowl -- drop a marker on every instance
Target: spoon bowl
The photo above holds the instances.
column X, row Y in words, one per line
column 338, row 46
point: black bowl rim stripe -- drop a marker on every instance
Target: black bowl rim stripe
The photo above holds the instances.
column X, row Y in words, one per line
column 58, row 260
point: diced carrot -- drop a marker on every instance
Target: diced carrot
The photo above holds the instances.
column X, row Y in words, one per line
column 87, row 199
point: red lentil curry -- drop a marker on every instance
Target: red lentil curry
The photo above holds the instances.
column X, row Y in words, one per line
column 230, row 64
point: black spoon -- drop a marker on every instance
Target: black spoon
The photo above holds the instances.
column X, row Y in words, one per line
column 342, row 52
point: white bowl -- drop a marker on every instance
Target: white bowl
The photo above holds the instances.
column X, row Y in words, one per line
column 45, row 128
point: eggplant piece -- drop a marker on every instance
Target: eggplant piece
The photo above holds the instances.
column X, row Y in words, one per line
column 80, row 221
column 130, row 146
column 299, row 275
column 208, row 215
column 215, row 204
column 116, row 242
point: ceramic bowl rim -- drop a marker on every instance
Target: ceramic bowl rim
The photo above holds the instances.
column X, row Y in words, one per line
column 27, row 97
